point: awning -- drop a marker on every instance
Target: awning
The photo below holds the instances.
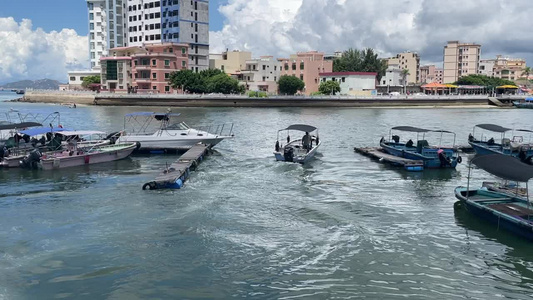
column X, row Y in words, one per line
column 451, row 86
column 300, row 127
column 80, row 132
column 410, row 129
column 504, row 166
column 494, row 128
column 433, row 85
column 19, row 125
column 507, row 87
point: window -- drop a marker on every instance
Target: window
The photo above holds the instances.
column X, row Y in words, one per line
column 154, row 75
column 81, row 78
column 152, row 26
column 264, row 68
column 302, row 66
column 157, row 15
column 183, row 63
column 154, row 87
column 302, row 76
column 154, row 62
column 343, row 79
column 167, row 75
column 167, row 62
column 293, row 66
column 275, row 68
column 91, row 6
column 72, row 78
column 91, row 26
column 167, row 88
column 157, row 4
column 286, row 67
column 91, row 16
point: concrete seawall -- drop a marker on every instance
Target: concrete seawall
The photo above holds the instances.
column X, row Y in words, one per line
column 109, row 99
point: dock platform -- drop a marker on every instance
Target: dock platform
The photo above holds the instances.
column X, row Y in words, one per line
column 174, row 176
column 379, row 154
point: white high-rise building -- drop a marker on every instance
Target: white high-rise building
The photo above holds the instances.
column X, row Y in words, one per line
column 174, row 21
column 106, row 28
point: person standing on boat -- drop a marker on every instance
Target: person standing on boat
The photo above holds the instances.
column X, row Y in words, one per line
column 306, row 141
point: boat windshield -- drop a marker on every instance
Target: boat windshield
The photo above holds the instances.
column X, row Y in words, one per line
column 178, row 126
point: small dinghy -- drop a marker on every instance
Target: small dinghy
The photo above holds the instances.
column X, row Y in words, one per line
column 300, row 150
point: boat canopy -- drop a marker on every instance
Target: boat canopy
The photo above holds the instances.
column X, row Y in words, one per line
column 300, row 127
column 505, row 166
column 19, row 125
column 525, row 130
column 42, row 130
column 410, row 129
column 80, row 132
column 152, row 114
column 494, row 128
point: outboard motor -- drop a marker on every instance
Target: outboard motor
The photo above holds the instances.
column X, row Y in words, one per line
column 31, row 161
column 444, row 160
column 113, row 137
column 277, row 146
column 288, row 154
column 3, row 152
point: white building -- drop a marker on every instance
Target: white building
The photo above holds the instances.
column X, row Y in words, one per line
column 486, row 67
column 393, row 76
column 353, row 83
column 171, row 21
column 75, row 78
column 260, row 74
column 106, row 28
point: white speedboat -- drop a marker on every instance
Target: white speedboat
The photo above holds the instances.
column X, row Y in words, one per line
column 298, row 150
column 168, row 135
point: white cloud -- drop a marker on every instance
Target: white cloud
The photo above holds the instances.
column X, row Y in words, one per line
column 282, row 27
column 28, row 53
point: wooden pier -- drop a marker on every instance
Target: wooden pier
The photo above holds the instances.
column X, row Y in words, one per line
column 379, row 154
column 177, row 173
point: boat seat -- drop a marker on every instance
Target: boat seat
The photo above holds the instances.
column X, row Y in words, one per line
column 420, row 145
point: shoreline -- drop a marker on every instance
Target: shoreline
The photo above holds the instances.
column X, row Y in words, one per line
column 180, row 100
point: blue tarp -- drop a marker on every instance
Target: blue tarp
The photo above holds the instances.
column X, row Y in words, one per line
column 42, row 130
column 529, row 99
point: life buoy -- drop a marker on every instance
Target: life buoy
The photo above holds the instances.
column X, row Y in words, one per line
column 459, row 159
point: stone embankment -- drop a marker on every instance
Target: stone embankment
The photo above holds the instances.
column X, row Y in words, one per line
column 180, row 100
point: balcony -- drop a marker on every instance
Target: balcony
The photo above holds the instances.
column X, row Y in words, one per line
column 146, row 80
column 143, row 67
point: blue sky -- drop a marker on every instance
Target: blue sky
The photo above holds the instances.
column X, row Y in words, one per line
column 58, row 14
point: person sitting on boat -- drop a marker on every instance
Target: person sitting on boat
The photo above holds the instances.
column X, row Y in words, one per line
column 490, row 142
column 409, row 144
column 306, row 141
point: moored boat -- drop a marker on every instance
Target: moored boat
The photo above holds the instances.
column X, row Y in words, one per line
column 515, row 147
column 432, row 156
column 528, row 103
column 168, row 135
column 298, row 150
column 510, row 212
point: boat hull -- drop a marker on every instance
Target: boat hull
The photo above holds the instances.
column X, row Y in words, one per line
column 523, row 105
column 483, row 148
column 430, row 162
column 514, row 224
column 148, row 143
column 301, row 159
column 61, row 162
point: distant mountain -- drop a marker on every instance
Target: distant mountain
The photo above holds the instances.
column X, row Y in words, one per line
column 43, row 84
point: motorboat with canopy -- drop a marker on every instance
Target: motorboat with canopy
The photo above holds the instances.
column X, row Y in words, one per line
column 515, row 147
column 528, row 103
column 298, row 150
column 510, row 212
column 432, row 156
column 166, row 134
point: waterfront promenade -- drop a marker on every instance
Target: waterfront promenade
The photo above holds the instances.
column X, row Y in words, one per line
column 216, row 100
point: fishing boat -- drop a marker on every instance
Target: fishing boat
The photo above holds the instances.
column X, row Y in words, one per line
column 515, row 147
column 167, row 135
column 74, row 156
column 299, row 150
column 432, row 156
column 510, row 212
column 528, row 103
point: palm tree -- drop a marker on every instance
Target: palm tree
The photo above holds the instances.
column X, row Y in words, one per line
column 405, row 73
column 527, row 72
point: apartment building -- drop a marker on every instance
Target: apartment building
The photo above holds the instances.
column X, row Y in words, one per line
column 503, row 67
column 106, row 28
column 260, row 74
column 173, row 21
column 230, row 62
column 307, row 66
column 430, row 73
column 144, row 69
column 460, row 59
column 408, row 61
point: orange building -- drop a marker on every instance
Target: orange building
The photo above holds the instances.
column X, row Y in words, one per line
column 144, row 68
column 307, row 66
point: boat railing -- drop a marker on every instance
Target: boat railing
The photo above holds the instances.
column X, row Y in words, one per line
column 225, row 129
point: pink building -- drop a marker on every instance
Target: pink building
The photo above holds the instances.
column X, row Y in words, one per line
column 144, row 68
column 429, row 74
column 307, row 66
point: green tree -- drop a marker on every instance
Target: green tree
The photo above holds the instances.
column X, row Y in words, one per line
column 224, row 84
column 483, row 80
column 353, row 60
column 289, row 85
column 526, row 72
column 87, row 81
column 329, row 87
column 404, row 74
column 210, row 73
column 182, row 79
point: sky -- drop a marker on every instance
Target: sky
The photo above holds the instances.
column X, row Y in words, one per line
column 51, row 38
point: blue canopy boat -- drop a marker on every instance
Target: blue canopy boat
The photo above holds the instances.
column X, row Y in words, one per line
column 514, row 147
column 528, row 103
column 512, row 213
column 432, row 156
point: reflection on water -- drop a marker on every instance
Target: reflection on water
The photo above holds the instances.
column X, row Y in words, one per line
column 248, row 226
